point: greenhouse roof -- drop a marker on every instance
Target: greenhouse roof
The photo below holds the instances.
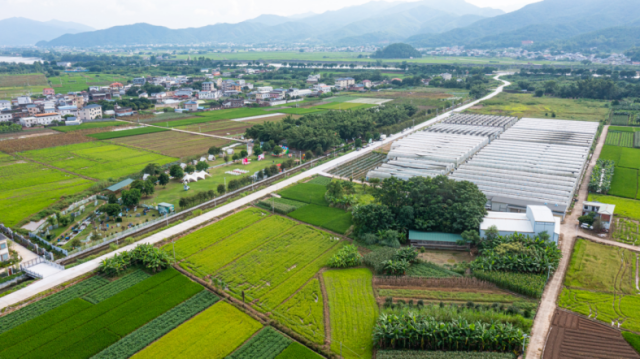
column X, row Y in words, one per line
column 434, row 236
column 120, row 185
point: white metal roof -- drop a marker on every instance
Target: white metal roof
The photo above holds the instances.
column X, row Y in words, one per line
column 541, row 213
column 603, row 208
column 507, row 222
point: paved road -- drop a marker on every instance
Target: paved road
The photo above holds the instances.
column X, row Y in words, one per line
column 569, row 233
column 69, row 274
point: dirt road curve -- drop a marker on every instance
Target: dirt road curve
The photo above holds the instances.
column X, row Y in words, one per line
column 547, row 307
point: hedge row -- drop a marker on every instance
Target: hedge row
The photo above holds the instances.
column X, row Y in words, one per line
column 116, row 287
column 265, row 345
column 158, row 327
column 42, row 306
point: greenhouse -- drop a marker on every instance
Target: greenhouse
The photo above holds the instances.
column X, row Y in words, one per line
column 503, row 122
column 562, row 132
column 486, row 131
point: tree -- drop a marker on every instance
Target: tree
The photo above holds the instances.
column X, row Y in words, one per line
column 151, row 169
column 277, row 150
column 257, row 150
column 112, row 209
column 358, row 143
column 137, row 184
column 244, row 154
column 190, row 169
column 148, row 189
column 131, row 197
column 214, row 150
column 471, row 236
column 163, row 179
column 202, row 166
column 491, row 233
column 226, row 159
column 588, row 219
column 371, row 218
column 235, row 157
column 308, row 155
column 539, row 93
column 221, row 189
column 176, row 171
column 335, row 189
column 112, row 198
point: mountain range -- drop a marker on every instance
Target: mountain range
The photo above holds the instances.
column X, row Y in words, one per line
column 18, row 31
column 564, row 24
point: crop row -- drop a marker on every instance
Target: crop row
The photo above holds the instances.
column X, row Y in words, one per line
column 211, row 234
column 116, row 287
column 267, row 344
column 127, row 133
column 158, row 327
column 212, row 334
column 42, row 306
column 217, row 256
column 419, row 354
column 529, row 284
column 429, row 270
column 447, row 295
column 296, row 350
column 601, row 176
column 609, row 308
column 307, row 193
column 265, row 268
column 281, row 205
column 626, row 231
column 119, row 314
column 304, row 312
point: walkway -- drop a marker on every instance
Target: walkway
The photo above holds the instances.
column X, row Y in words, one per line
column 69, row 274
column 23, row 252
column 569, row 233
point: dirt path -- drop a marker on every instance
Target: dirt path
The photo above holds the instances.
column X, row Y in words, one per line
column 327, row 319
column 569, row 231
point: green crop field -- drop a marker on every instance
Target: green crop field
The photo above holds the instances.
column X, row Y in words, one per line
column 600, row 283
column 620, row 119
column 624, row 139
column 220, row 254
column 344, row 106
column 267, row 344
column 320, row 180
column 27, row 188
column 79, row 329
column 626, row 231
column 333, row 219
column 526, row 105
column 209, row 235
column 89, row 125
column 353, row 311
column 304, row 312
column 215, row 116
column 622, row 156
column 298, row 351
column 268, row 268
column 624, row 182
column 127, row 133
column 447, row 296
column 23, row 84
column 623, row 129
column 300, row 111
column 212, row 334
column 80, row 81
column 306, row 192
column 98, row 160
column 624, row 207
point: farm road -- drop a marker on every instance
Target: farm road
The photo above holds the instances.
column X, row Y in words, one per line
column 569, row 233
column 87, row 267
column 190, row 132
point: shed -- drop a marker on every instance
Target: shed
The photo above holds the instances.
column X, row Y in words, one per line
column 120, row 185
column 437, row 240
column 165, row 208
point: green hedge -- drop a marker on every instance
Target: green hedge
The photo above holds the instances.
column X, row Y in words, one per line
column 418, row 354
column 158, row 327
column 42, row 306
column 265, row 345
column 116, row 287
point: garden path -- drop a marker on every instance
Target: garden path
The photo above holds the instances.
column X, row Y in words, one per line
column 89, row 266
column 569, row 232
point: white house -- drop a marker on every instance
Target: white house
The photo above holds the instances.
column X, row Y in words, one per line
column 5, row 104
column 300, row 93
column 603, row 211
column 345, row 82
column 4, row 248
column 24, row 100
column 90, row 112
column 46, row 118
column 4, row 117
column 28, row 121
column 208, row 86
column 446, row 76
column 192, row 106
column 264, row 88
column 536, row 220
column 209, row 95
column 68, row 110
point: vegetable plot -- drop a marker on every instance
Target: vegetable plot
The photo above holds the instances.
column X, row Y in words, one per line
column 304, row 312
column 265, row 345
column 601, row 176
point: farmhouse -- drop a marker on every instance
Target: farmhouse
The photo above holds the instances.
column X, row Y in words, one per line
column 603, row 211
column 28, row 121
column 90, row 112
column 535, row 220
column 437, row 240
column 345, row 82
column 47, row 118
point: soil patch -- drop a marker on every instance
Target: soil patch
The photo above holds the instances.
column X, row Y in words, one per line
column 446, row 257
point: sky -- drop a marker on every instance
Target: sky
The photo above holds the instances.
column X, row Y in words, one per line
column 185, row 13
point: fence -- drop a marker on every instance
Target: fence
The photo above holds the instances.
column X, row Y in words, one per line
column 13, row 281
column 61, row 250
column 78, row 204
column 26, row 242
column 454, row 282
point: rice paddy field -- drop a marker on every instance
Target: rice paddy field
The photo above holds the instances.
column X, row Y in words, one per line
column 218, row 115
column 26, row 188
column 627, row 163
column 127, row 133
column 526, row 105
column 303, row 312
column 626, row 231
column 623, row 139
column 98, row 159
column 169, row 143
column 16, row 85
column 600, row 284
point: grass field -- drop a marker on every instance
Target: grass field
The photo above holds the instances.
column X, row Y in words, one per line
column 622, row 156
column 304, row 312
column 127, row 133
column 79, row 329
column 97, row 159
column 268, row 343
column 15, row 85
column 333, row 219
column 344, row 106
column 27, row 188
column 68, row 82
column 526, row 105
column 89, row 125
column 624, row 207
column 624, row 183
column 306, row 192
column 212, row 334
column 600, row 283
column 353, row 311
column 296, row 350
column 301, row 111
column 215, row 116
column 174, row 144
column 620, row 119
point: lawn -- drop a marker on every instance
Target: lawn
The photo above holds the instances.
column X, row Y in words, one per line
column 127, row 133
column 333, row 219
column 27, row 188
column 97, row 159
column 212, row 334
column 211, row 234
column 304, row 312
column 90, row 125
column 79, row 329
column 624, row 207
column 353, row 311
column 171, row 143
column 526, row 105
column 624, row 182
column 215, row 116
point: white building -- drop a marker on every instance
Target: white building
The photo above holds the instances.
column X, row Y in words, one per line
column 28, row 121
column 5, row 104
column 209, row 95
column 345, row 82
column 90, row 112
column 446, row 76
column 300, row 93
column 46, row 118
column 4, row 117
column 68, row 110
column 536, row 220
column 24, row 100
column 4, row 248
column 603, row 211
column 264, row 89
column 208, row 86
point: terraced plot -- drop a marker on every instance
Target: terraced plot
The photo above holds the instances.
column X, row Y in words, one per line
column 97, row 159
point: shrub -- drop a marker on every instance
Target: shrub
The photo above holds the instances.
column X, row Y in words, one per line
column 346, row 257
column 145, row 255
